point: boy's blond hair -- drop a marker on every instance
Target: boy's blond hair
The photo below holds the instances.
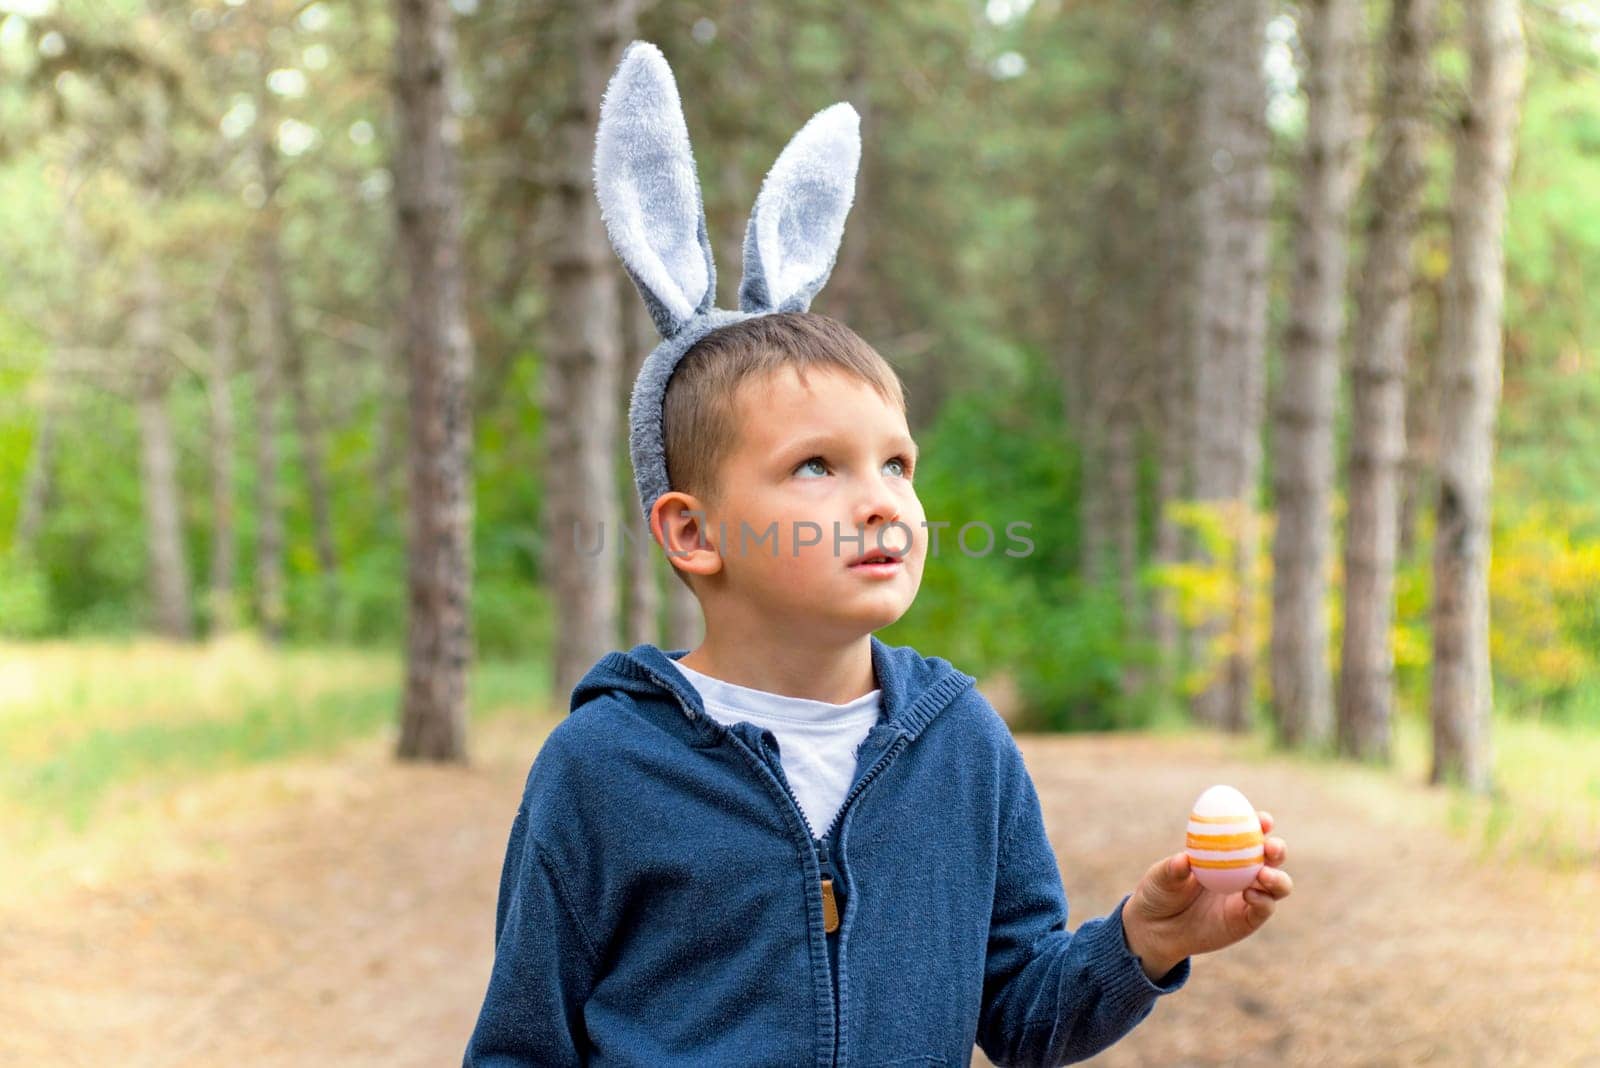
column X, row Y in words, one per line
column 699, row 413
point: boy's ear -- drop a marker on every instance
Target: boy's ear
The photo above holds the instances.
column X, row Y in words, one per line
column 649, row 190
column 679, row 526
column 798, row 220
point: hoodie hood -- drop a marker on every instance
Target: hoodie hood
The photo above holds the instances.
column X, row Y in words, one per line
column 915, row 688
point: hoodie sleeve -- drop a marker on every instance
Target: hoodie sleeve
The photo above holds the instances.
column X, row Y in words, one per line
column 1053, row 996
column 544, row 962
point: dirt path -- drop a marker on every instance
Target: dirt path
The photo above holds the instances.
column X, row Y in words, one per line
column 341, row 911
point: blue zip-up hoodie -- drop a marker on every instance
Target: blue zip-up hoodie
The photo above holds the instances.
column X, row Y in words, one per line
column 662, row 901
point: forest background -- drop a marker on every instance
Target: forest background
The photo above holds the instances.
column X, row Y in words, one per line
column 1094, row 238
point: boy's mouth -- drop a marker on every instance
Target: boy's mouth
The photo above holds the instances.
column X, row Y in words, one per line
column 875, row 559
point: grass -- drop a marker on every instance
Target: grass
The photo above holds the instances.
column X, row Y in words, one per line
column 1545, row 797
column 81, row 722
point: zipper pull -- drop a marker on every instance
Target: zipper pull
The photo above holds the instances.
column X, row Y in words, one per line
column 830, row 905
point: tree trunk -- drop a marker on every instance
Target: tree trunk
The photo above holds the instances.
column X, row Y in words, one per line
column 644, row 589
column 849, row 288
column 388, row 452
column 158, row 461
column 1073, row 356
column 158, row 469
column 439, row 355
column 288, row 356
column 219, row 393
column 1109, row 489
column 158, row 451
column 1470, row 366
column 1234, row 193
column 685, row 625
column 38, row 479
column 271, row 610
column 1303, row 456
column 1122, row 492
column 1098, row 384
column 1076, row 360
column 308, row 427
column 1173, row 427
column 582, row 374
column 735, row 118
column 1378, row 390
column 1422, row 420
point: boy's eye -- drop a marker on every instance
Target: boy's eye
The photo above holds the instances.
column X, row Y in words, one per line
column 903, row 463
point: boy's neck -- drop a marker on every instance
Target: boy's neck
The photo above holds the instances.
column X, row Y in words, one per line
column 836, row 673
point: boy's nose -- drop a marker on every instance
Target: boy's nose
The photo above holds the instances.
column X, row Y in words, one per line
column 874, row 517
column 876, row 508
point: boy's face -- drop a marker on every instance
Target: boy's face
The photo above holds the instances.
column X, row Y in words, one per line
column 815, row 458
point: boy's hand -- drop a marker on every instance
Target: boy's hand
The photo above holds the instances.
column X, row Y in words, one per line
column 1170, row 916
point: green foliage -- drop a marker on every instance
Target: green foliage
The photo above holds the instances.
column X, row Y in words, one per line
column 1544, row 625
column 1549, row 439
column 25, row 602
column 90, row 555
column 1079, row 661
column 1203, row 588
column 1412, row 637
column 998, row 458
column 1545, row 632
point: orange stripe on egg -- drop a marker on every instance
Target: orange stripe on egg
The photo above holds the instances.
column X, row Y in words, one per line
column 1239, row 862
column 1243, row 840
column 1197, row 818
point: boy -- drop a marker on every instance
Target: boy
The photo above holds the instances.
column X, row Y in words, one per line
column 795, row 844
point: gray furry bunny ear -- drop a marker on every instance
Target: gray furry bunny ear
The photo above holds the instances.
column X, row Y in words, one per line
column 798, row 220
column 649, row 190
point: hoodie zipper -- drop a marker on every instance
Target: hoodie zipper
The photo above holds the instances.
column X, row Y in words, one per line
column 831, row 911
column 825, row 864
column 819, row 848
column 830, row 902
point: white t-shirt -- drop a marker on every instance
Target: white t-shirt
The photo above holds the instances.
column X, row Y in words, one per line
column 817, row 741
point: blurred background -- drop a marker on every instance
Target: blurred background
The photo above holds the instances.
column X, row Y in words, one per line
column 1271, row 320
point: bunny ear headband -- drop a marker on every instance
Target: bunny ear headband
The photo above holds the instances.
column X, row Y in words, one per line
column 649, row 193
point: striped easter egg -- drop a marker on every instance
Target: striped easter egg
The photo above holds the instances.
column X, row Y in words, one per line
column 1224, row 843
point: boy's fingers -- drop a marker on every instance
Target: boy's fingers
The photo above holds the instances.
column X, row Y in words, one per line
column 1276, row 851
column 1171, row 872
column 1274, row 882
